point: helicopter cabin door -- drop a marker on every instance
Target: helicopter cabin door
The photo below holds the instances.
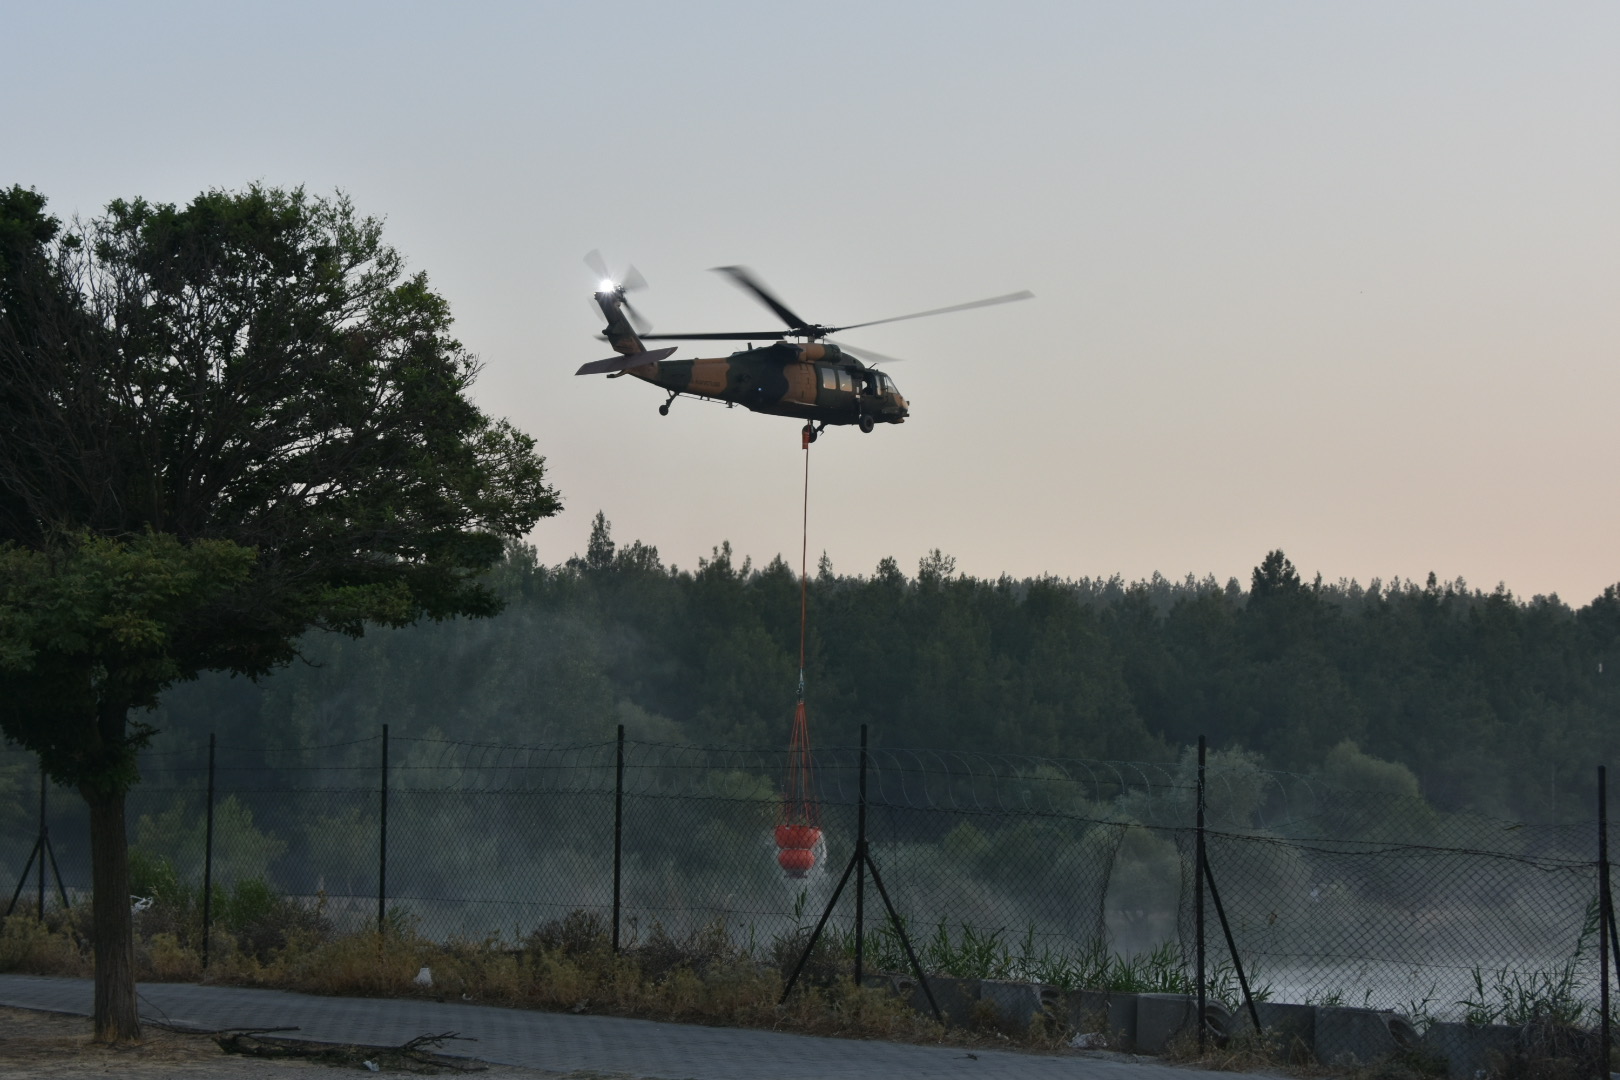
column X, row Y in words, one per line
column 837, row 388
column 802, row 383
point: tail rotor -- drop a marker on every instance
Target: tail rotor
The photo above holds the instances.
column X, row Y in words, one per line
column 630, row 281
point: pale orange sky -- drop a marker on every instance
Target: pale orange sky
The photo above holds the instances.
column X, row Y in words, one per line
column 1336, row 278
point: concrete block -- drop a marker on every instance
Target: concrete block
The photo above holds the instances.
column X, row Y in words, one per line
column 958, row 999
column 1014, row 1004
column 1468, row 1048
column 1291, row 1028
column 1347, row 1036
column 1162, row 1018
column 1111, row 1014
column 1221, row 1022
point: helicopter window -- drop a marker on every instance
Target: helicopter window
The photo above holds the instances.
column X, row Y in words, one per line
column 883, row 380
column 829, row 379
column 845, row 382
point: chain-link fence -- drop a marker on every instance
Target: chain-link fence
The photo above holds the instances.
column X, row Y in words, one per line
column 1066, row 872
column 1381, row 901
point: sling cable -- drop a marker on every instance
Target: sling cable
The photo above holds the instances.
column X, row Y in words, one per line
column 798, row 818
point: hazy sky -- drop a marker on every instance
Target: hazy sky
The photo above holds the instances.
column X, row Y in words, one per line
column 1336, row 278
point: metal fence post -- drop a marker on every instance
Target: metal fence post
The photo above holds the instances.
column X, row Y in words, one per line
column 208, row 857
column 382, row 838
column 1198, row 901
column 618, row 835
column 860, row 869
column 43, row 834
column 1604, row 902
column 42, row 851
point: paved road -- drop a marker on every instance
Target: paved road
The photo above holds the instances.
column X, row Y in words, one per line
column 598, row 1046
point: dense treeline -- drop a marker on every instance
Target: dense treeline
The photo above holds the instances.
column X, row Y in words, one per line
column 1496, row 704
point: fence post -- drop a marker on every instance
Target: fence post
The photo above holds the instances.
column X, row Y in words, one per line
column 43, row 834
column 382, row 839
column 860, row 869
column 208, row 857
column 1604, row 909
column 42, row 851
column 1198, row 901
column 618, row 834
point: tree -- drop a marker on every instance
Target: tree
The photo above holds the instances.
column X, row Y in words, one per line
column 599, row 550
column 221, row 426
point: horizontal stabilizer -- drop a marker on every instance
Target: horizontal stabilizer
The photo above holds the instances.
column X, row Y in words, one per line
column 624, row 363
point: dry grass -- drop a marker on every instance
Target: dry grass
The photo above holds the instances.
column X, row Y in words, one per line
column 564, row 966
column 1552, row 1051
column 47, row 1045
column 1245, row 1051
column 662, row 982
column 1248, row 1051
column 36, row 948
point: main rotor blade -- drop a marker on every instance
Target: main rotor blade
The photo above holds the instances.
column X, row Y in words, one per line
column 746, row 280
column 869, row 357
column 765, row 335
column 598, row 265
column 1009, row 298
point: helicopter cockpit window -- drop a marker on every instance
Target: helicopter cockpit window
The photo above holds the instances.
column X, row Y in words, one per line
column 883, row 381
column 845, row 382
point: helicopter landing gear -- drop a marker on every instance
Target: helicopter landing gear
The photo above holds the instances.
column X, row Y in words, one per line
column 866, row 425
column 663, row 410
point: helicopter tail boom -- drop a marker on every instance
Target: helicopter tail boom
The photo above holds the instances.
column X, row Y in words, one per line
column 619, row 332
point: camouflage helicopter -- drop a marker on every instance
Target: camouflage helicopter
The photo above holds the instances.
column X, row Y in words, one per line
column 813, row 379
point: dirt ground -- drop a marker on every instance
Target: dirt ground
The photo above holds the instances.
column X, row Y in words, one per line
column 35, row 1044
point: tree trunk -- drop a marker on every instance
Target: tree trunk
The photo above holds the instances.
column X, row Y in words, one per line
column 113, row 927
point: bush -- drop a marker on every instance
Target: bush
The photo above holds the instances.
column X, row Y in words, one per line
column 250, row 915
column 263, row 922
column 41, row 948
column 579, row 933
column 827, row 963
column 701, row 951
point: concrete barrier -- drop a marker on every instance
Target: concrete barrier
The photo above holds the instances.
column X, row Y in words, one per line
column 1347, row 1036
column 1161, row 1018
column 1468, row 1048
column 1112, row 1015
column 1222, row 1022
column 958, row 998
column 1290, row 1028
column 1013, row 1004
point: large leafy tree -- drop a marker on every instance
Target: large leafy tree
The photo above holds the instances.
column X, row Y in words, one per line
column 221, row 425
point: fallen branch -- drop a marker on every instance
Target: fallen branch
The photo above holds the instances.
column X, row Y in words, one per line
column 410, row 1056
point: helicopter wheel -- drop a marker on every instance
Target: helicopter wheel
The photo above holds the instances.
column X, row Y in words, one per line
column 663, row 410
column 866, row 425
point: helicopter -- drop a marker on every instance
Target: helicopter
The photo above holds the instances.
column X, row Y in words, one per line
column 811, row 378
